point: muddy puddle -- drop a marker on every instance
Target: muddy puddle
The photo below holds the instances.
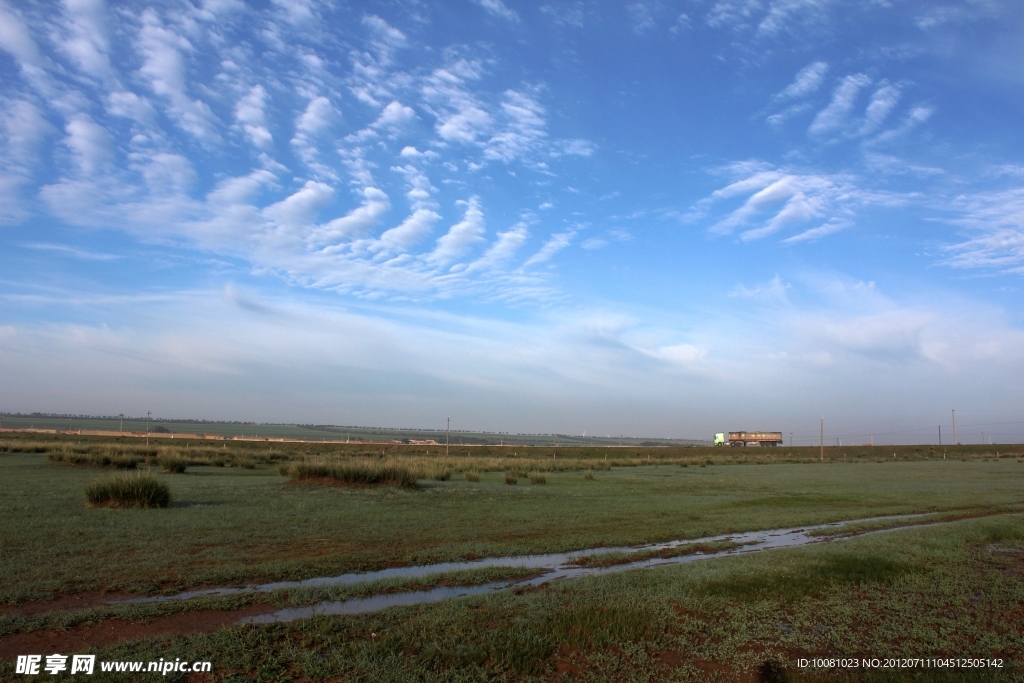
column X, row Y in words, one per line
column 551, row 567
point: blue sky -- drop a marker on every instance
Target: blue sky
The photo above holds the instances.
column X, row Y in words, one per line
column 650, row 218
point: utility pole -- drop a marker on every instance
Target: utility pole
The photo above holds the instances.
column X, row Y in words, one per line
column 940, row 435
column 822, row 442
column 120, row 430
column 147, row 427
column 791, row 439
column 447, row 436
column 954, row 427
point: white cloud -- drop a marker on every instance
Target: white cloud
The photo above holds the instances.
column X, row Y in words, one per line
column 768, row 18
column 412, row 230
column 555, row 244
column 461, row 236
column 498, row 9
column 641, row 15
column 594, row 243
column 465, row 125
column 883, row 100
column 164, row 68
column 16, row 39
column 893, row 335
column 502, row 250
column 566, row 13
column 782, row 14
column 357, row 222
column 131, row 106
column 682, row 354
column 394, row 117
column 90, row 143
column 580, row 148
column 86, row 40
column 835, row 115
column 385, row 38
column 23, row 130
column 240, row 190
column 772, row 291
column 167, row 173
column 74, row 252
column 806, row 81
column 297, row 12
column 780, row 199
column 828, row 228
column 524, row 129
column 249, row 113
column 996, row 222
column 917, row 116
column 298, row 211
column 318, row 117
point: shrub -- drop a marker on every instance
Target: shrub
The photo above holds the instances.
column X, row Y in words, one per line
column 172, row 464
column 128, row 491
column 538, row 478
column 471, row 475
column 360, row 472
column 589, row 475
column 511, row 478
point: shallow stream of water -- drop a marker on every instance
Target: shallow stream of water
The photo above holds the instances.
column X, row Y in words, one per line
column 554, row 566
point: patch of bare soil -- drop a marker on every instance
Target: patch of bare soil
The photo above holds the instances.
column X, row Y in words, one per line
column 66, row 602
column 113, row 631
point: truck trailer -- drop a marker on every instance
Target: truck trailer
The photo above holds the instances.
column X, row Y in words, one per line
column 755, row 438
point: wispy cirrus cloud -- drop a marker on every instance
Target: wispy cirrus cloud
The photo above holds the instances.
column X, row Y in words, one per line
column 499, row 9
column 994, row 222
column 775, row 200
column 322, row 210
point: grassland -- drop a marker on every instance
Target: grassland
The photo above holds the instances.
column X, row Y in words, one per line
column 954, row 588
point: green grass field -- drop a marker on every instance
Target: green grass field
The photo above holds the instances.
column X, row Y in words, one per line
column 952, row 589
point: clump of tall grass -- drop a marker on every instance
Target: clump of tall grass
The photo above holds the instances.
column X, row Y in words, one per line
column 116, row 461
column 471, row 475
column 129, row 491
column 538, row 478
column 172, row 464
column 441, row 474
column 511, row 478
column 363, row 472
column 589, row 475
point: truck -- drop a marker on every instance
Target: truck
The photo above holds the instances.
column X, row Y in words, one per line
column 754, row 438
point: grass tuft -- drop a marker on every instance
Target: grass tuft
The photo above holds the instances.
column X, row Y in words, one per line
column 589, row 475
column 538, row 478
column 172, row 464
column 128, row 491
column 363, row 472
column 511, row 478
column 471, row 475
